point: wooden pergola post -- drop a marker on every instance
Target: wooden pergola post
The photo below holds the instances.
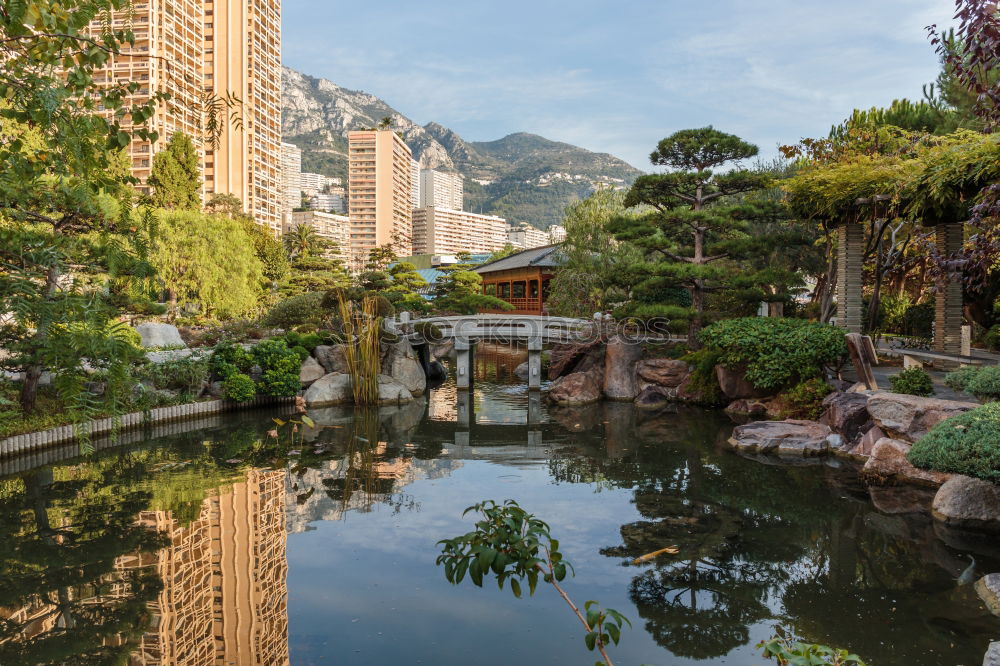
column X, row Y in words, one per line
column 850, row 250
column 948, row 301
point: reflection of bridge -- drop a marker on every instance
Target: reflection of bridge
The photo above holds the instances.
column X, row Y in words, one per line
column 467, row 330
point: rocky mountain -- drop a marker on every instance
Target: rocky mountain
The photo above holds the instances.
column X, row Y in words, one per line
column 522, row 177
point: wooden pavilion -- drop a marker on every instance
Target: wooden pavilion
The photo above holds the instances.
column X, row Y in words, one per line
column 522, row 279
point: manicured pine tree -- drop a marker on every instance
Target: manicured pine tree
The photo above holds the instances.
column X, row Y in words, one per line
column 692, row 232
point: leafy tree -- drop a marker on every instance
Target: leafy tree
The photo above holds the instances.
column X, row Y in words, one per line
column 225, row 204
column 505, row 251
column 588, row 280
column 208, row 261
column 268, row 248
column 175, row 176
column 64, row 192
column 688, row 237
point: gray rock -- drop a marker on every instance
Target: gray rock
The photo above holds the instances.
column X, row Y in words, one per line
column 992, row 657
column 909, row 417
column 896, row 500
column 988, row 589
column 402, row 364
column 863, row 449
column 436, row 372
column 846, row 414
column 391, row 392
column 578, row 388
column 310, row 371
column 666, row 372
column 735, row 385
column 159, row 335
column 745, row 407
column 166, row 355
column 788, row 438
column 521, row 371
column 653, row 397
column 620, row 359
column 331, row 389
column 888, row 463
column 331, row 357
column 968, row 504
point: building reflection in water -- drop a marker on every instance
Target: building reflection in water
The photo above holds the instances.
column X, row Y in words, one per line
column 224, row 597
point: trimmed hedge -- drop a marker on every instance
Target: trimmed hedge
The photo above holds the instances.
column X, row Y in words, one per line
column 912, row 381
column 777, row 352
column 966, row 444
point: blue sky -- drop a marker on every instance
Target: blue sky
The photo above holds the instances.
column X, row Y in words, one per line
column 619, row 76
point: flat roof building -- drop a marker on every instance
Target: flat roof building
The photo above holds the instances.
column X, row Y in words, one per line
column 446, row 231
column 439, row 189
column 334, row 228
column 291, row 173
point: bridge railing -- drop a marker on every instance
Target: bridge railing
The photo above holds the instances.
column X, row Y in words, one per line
column 509, row 328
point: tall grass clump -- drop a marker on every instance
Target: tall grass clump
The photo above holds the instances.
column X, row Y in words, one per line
column 362, row 326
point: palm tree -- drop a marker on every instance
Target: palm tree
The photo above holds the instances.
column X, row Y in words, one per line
column 301, row 240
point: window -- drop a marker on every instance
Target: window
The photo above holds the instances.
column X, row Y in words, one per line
column 518, row 289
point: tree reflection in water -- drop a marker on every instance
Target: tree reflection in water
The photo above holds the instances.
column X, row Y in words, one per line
column 798, row 546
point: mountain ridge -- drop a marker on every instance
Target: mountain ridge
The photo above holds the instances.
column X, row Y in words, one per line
column 523, row 177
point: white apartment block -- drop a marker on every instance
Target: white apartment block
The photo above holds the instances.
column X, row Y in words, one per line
column 557, row 233
column 415, row 183
column 314, row 183
column 329, row 202
column 334, row 228
column 449, row 231
column 291, row 171
column 439, row 189
column 524, row 236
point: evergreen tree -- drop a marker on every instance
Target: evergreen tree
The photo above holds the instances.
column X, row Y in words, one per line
column 406, row 282
column 459, row 290
column 692, row 233
column 175, row 176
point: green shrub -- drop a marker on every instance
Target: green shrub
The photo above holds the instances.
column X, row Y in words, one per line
column 226, row 356
column 805, row 400
column 132, row 336
column 302, row 352
column 187, row 375
column 280, row 367
column 703, row 379
column 966, row 444
column 776, row 351
column 296, row 311
column 912, row 381
column 239, row 387
column 959, row 379
column 992, row 338
column 986, row 384
column 428, row 331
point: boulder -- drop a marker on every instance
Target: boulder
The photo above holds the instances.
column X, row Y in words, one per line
column 992, row 657
column 888, row 463
column 159, row 335
column 909, row 417
column 968, row 504
column 578, row 388
column 310, row 371
column 620, row 359
column 392, row 392
column 791, row 437
column 863, row 449
column 735, row 385
column 330, row 389
column 988, row 588
column 331, row 357
column 898, row 500
column 564, row 358
column 401, row 363
column 521, row 371
column 436, row 372
column 745, row 407
column 653, row 397
column 846, row 414
column 666, row 372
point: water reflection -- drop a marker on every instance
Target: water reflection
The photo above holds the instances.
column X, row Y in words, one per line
column 178, row 552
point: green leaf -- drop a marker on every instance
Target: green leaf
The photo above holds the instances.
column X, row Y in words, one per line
column 591, row 640
column 515, row 587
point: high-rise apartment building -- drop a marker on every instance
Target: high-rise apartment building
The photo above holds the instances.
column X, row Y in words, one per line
column 380, row 189
column 166, row 57
column 330, row 202
column 523, row 236
column 242, row 57
column 188, row 48
column 334, row 228
column 439, row 189
column 315, row 183
column 446, row 231
column 414, row 183
column 291, row 172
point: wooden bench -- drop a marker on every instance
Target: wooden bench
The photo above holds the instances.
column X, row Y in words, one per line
column 911, row 357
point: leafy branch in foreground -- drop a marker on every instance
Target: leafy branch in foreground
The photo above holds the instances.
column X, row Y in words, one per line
column 786, row 653
column 514, row 545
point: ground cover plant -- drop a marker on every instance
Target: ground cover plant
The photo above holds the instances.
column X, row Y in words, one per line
column 912, row 381
column 966, row 444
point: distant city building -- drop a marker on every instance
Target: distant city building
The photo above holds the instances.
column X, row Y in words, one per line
column 380, row 182
column 439, row 189
column 291, row 172
column 557, row 233
column 329, row 202
column 218, row 47
column 524, row 236
column 316, row 183
column 414, row 183
column 448, row 231
column 334, row 228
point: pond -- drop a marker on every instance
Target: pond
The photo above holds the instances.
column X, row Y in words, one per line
column 198, row 548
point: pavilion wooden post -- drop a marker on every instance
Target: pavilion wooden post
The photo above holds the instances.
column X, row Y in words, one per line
column 948, row 301
column 850, row 251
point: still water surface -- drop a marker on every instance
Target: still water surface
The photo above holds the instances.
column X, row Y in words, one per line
column 198, row 549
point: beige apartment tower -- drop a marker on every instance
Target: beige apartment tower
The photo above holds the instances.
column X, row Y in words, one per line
column 190, row 48
column 446, row 231
column 380, row 187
